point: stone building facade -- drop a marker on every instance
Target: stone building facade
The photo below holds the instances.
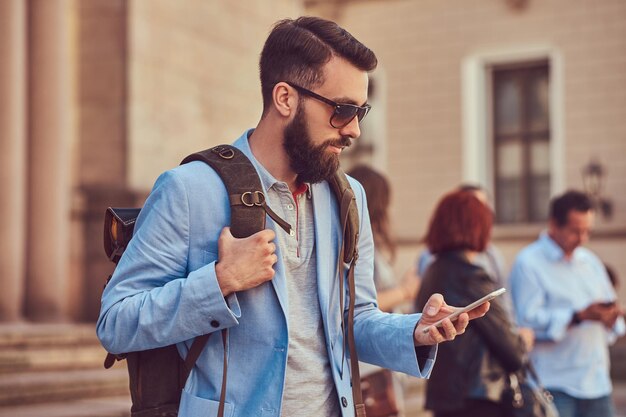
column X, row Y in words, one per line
column 440, row 62
column 97, row 97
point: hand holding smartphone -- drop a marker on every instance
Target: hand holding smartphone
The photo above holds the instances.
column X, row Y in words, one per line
column 467, row 308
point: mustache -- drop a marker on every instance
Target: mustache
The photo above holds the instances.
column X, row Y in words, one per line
column 343, row 142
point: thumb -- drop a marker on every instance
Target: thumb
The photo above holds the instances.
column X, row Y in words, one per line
column 225, row 236
column 433, row 305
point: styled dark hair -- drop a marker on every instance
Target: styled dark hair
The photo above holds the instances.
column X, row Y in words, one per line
column 296, row 51
column 378, row 192
column 460, row 222
column 560, row 206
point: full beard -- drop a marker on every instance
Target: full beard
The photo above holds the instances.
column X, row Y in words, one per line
column 311, row 163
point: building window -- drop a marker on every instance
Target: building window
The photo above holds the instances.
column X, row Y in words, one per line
column 521, row 141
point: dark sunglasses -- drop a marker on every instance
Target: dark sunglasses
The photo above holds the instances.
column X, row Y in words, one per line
column 343, row 112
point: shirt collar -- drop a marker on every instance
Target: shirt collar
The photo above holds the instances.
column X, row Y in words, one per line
column 552, row 250
column 267, row 179
column 302, row 188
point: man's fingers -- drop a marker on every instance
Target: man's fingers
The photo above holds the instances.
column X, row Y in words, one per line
column 263, row 236
column 461, row 323
column 449, row 329
column 433, row 305
column 266, row 235
column 479, row 311
column 225, row 234
column 436, row 335
column 272, row 247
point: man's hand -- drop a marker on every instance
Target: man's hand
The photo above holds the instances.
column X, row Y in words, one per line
column 437, row 309
column 245, row 263
column 606, row 313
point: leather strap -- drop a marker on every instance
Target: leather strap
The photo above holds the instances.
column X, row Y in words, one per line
column 109, row 360
column 339, row 183
column 344, row 204
column 359, row 406
column 347, row 199
column 194, row 353
column 239, row 177
column 220, row 409
column 257, row 198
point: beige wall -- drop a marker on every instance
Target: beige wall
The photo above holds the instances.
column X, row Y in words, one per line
column 113, row 93
column 193, row 77
column 422, row 46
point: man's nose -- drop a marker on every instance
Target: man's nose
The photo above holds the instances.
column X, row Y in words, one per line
column 352, row 129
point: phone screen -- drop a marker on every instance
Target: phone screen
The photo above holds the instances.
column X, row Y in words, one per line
column 467, row 308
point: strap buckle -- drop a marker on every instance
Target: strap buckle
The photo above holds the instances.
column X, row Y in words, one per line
column 223, row 152
column 253, row 198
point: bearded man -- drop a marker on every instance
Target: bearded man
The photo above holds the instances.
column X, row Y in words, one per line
column 184, row 274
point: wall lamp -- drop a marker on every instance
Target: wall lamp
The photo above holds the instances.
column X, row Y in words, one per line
column 594, row 175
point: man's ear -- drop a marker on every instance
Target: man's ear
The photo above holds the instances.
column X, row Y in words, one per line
column 284, row 99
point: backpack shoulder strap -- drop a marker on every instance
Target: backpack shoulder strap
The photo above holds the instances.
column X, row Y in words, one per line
column 349, row 254
column 247, row 217
column 245, row 192
column 343, row 191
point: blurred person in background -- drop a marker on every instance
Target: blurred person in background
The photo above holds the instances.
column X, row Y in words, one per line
column 390, row 294
column 491, row 260
column 472, row 371
column 563, row 292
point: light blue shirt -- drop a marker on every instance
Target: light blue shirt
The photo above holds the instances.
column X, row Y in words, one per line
column 547, row 289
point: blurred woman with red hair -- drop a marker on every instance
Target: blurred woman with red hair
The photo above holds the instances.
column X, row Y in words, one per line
column 471, row 371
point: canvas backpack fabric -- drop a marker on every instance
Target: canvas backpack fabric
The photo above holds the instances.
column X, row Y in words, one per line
column 158, row 376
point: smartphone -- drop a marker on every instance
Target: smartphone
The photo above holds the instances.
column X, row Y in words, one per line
column 467, row 308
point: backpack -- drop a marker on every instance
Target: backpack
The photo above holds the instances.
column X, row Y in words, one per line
column 158, row 376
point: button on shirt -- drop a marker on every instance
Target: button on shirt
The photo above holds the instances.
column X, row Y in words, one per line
column 547, row 289
column 309, row 389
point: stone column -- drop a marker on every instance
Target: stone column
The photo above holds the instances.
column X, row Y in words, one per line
column 102, row 76
column 12, row 157
column 50, row 126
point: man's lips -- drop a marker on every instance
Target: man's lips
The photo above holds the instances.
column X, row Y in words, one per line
column 339, row 146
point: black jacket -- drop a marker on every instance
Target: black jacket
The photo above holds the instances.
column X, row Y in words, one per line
column 476, row 364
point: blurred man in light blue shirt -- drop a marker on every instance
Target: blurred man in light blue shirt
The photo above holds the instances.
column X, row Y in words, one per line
column 562, row 291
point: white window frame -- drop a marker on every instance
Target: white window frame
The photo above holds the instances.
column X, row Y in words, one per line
column 476, row 73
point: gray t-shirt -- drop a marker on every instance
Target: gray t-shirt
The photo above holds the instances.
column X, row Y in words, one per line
column 309, row 388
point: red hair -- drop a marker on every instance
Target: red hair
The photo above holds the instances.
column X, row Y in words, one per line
column 460, row 222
